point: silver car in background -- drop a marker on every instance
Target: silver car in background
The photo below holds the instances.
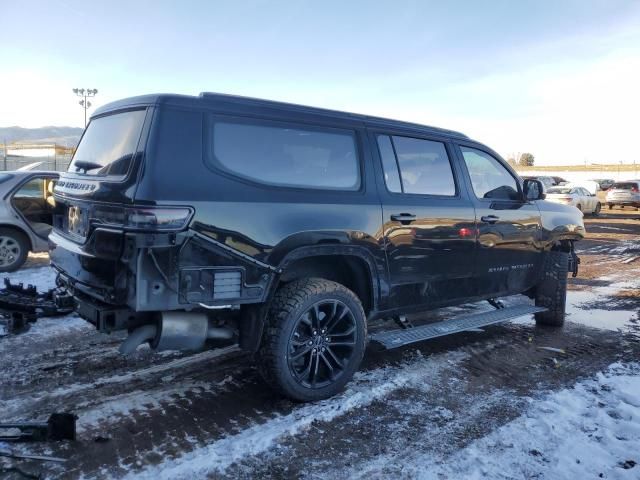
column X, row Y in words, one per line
column 26, row 215
column 576, row 196
column 624, row 194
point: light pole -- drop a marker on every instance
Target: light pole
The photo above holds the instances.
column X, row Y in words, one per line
column 85, row 94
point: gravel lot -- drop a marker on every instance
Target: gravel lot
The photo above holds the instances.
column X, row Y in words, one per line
column 510, row 401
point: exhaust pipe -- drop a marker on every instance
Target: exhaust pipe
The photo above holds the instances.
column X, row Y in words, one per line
column 176, row 331
column 146, row 333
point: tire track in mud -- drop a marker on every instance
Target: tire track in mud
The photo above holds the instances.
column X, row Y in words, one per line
column 204, row 404
column 491, row 386
column 183, row 411
column 366, row 388
column 258, row 415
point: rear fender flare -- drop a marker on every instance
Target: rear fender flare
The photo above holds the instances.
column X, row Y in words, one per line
column 253, row 318
column 342, row 250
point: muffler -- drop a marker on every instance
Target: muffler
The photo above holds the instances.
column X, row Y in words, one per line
column 176, row 331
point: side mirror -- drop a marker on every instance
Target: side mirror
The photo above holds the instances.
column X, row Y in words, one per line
column 533, row 189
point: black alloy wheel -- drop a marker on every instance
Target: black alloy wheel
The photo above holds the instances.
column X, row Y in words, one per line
column 322, row 343
column 314, row 339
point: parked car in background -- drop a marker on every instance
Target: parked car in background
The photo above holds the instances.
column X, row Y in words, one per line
column 26, row 215
column 575, row 196
column 624, row 194
column 605, row 183
column 547, row 182
column 559, row 181
column 589, row 185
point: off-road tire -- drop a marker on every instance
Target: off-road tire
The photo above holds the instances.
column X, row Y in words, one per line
column 22, row 242
column 551, row 292
column 290, row 302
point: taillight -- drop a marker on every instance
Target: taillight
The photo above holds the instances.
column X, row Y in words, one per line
column 634, row 189
column 142, row 218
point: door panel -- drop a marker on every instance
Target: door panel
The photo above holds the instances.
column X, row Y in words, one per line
column 509, row 256
column 430, row 258
column 430, row 239
column 31, row 202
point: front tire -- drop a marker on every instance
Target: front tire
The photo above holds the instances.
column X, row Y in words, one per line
column 14, row 248
column 551, row 292
column 314, row 339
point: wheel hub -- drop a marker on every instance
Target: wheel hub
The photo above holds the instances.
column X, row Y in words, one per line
column 319, row 340
column 9, row 250
column 322, row 343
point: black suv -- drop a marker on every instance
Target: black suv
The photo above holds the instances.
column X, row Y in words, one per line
column 203, row 220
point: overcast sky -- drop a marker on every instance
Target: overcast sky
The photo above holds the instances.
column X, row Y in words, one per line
column 560, row 79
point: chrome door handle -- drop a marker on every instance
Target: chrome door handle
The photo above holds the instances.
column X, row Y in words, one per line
column 403, row 218
column 490, row 219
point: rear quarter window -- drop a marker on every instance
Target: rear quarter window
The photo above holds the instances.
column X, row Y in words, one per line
column 282, row 155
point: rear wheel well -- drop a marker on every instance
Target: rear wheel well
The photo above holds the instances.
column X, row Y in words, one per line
column 348, row 270
column 19, row 230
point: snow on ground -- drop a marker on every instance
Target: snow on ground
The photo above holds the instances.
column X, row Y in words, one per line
column 582, row 432
column 43, row 277
column 366, row 388
column 589, row 431
column 125, row 403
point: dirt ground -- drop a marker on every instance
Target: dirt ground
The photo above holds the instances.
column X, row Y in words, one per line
column 152, row 415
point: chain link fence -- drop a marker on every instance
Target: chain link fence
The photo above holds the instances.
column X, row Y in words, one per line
column 52, row 156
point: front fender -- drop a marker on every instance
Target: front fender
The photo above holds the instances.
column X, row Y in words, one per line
column 560, row 222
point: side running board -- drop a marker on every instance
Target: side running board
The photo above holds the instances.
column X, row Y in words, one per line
column 397, row 338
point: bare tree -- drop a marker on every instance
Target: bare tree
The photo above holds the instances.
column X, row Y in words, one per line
column 527, row 159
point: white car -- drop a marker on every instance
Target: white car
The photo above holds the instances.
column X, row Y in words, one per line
column 590, row 186
column 624, row 194
column 578, row 197
column 26, row 215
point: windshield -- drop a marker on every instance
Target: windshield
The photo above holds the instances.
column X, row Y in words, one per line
column 559, row 190
column 624, row 186
column 108, row 145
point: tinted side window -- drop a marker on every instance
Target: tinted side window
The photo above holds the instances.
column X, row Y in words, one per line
column 489, row 178
column 423, row 165
column 285, row 156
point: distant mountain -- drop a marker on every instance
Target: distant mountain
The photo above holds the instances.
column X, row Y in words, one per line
column 66, row 136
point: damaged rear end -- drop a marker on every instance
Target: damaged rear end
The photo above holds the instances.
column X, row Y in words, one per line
column 138, row 261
